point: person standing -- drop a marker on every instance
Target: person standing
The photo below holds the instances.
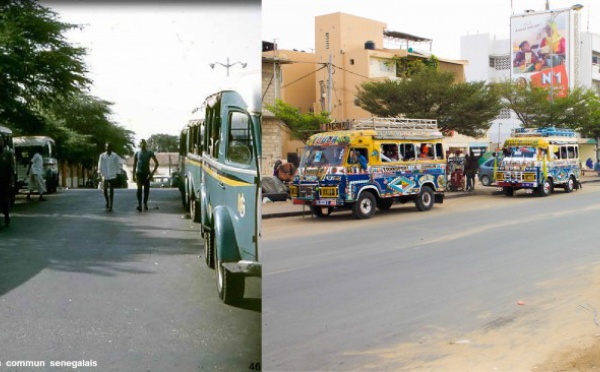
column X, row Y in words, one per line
column 471, row 166
column 35, row 171
column 7, row 174
column 142, row 174
column 109, row 165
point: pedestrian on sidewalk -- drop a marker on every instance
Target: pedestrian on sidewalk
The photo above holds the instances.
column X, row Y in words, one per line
column 109, row 165
column 142, row 174
column 471, row 166
column 35, row 171
column 7, row 175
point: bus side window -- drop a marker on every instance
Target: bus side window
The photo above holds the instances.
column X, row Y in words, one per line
column 426, row 151
column 407, row 150
column 439, row 151
column 389, row 152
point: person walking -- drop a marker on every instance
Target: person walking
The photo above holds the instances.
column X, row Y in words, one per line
column 142, row 174
column 7, row 174
column 109, row 165
column 471, row 166
column 35, row 171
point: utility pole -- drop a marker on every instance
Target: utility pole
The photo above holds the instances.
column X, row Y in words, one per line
column 329, row 82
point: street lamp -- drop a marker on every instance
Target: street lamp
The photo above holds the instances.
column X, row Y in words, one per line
column 227, row 65
column 498, row 147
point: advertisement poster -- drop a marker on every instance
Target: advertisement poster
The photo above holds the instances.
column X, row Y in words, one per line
column 540, row 53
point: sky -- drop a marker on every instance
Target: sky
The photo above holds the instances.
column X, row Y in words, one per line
column 152, row 61
column 291, row 22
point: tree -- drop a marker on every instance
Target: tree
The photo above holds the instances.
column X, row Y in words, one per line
column 81, row 125
column 579, row 110
column 467, row 108
column 163, row 143
column 301, row 126
column 37, row 65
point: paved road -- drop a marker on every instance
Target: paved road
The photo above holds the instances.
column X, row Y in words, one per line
column 338, row 290
column 124, row 289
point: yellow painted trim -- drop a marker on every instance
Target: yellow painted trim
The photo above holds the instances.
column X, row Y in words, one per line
column 226, row 180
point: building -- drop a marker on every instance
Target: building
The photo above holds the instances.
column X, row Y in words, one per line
column 349, row 50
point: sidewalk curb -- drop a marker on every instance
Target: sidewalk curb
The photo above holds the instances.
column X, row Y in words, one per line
column 449, row 195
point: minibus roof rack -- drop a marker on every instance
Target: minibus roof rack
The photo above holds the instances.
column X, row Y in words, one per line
column 543, row 132
column 397, row 123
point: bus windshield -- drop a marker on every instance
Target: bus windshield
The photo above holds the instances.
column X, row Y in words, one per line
column 520, row 152
column 322, row 156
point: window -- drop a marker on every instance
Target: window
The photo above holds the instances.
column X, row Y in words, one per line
column 407, row 151
column 426, row 151
column 439, row 151
column 499, row 62
column 327, row 40
column 239, row 143
column 389, row 152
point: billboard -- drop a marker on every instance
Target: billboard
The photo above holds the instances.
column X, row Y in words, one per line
column 542, row 50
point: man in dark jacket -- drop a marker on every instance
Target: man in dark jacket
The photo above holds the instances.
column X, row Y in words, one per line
column 471, row 166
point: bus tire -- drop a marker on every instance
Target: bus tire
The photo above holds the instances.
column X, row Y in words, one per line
column 425, row 199
column 230, row 286
column 545, row 188
column 318, row 211
column 385, row 204
column 209, row 249
column 364, row 207
column 508, row 191
column 570, row 185
column 194, row 208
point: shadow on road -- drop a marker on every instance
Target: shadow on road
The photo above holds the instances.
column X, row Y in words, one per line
column 72, row 232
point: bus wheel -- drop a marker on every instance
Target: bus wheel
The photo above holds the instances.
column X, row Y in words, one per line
column 364, row 207
column 425, row 200
column 509, row 191
column 194, row 208
column 545, row 188
column 570, row 185
column 385, row 204
column 321, row 211
column 229, row 285
column 209, row 249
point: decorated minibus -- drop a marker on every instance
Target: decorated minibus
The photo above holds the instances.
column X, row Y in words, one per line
column 372, row 164
column 539, row 160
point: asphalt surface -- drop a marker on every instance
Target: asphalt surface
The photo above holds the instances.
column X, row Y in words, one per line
column 338, row 290
column 125, row 290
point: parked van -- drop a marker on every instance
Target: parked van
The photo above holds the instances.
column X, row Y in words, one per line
column 373, row 163
column 25, row 148
column 230, row 192
column 540, row 160
column 190, row 166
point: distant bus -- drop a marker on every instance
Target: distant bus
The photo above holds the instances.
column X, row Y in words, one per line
column 25, row 148
column 8, row 144
column 231, row 193
column 190, row 166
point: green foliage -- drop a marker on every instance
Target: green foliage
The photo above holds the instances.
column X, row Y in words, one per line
column 301, row 126
column 467, row 108
column 163, row 143
column 579, row 110
column 37, row 65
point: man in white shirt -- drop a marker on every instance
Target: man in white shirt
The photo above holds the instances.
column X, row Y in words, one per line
column 109, row 165
column 36, row 176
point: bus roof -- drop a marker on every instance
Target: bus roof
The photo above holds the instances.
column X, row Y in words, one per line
column 5, row 130
column 32, row 141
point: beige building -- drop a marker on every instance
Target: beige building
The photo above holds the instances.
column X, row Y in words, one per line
column 355, row 48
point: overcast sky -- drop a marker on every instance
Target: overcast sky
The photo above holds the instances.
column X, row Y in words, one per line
column 291, row 22
column 152, row 61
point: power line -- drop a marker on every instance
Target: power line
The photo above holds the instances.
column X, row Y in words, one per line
column 351, row 72
column 307, row 75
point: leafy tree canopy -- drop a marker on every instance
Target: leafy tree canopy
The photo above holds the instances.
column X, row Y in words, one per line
column 467, row 108
column 163, row 143
column 535, row 108
column 301, row 126
column 37, row 65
